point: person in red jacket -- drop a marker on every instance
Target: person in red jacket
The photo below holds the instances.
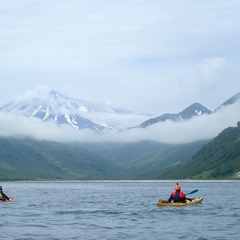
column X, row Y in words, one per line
column 177, row 196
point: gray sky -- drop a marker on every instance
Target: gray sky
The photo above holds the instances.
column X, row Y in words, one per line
column 143, row 55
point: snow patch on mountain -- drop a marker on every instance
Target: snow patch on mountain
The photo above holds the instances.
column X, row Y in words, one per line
column 83, row 109
column 198, row 112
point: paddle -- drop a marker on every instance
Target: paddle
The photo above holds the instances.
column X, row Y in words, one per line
column 193, row 191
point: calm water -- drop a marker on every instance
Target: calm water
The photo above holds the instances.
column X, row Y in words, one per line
column 118, row 210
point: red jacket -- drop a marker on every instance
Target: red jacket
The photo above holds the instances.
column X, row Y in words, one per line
column 177, row 196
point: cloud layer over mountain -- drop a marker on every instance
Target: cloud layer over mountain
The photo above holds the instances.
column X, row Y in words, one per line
column 198, row 128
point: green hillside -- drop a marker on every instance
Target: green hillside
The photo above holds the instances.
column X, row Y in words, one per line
column 145, row 156
column 219, row 159
column 26, row 159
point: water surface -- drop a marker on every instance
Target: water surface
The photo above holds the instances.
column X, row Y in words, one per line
column 119, row 210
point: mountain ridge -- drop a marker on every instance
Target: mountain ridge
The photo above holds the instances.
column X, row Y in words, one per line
column 195, row 109
column 63, row 110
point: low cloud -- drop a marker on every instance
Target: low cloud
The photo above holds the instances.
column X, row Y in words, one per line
column 198, row 128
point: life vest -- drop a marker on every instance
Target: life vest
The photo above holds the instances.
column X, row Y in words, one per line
column 178, row 196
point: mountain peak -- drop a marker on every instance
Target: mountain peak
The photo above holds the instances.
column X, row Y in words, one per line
column 60, row 108
column 195, row 109
column 53, row 93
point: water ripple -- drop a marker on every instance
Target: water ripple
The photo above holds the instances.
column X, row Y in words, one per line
column 118, row 210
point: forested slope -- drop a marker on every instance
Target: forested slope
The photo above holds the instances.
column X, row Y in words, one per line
column 27, row 159
column 219, row 159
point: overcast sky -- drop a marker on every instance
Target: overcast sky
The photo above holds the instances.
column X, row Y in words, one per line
column 143, row 55
column 148, row 56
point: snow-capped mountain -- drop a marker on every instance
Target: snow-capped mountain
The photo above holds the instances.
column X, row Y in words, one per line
column 63, row 110
column 82, row 114
column 195, row 109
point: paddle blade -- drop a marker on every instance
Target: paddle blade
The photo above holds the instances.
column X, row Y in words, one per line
column 193, row 191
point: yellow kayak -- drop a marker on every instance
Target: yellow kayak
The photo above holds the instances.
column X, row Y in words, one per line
column 180, row 204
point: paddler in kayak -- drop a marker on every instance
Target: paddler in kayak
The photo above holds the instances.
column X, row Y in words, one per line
column 177, row 196
column 3, row 196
